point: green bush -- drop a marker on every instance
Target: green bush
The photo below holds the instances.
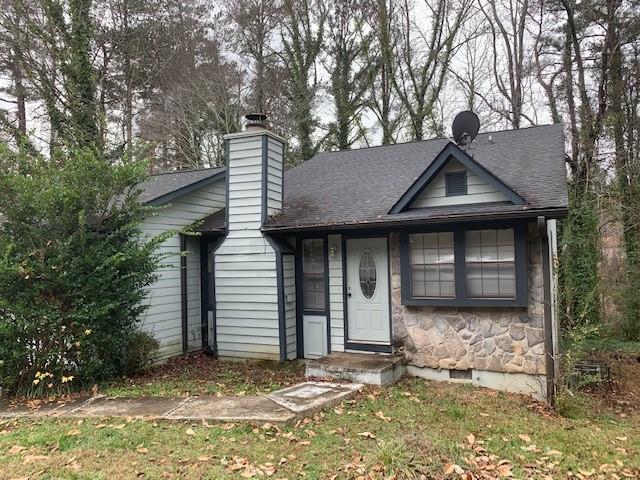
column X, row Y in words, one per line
column 140, row 352
column 73, row 270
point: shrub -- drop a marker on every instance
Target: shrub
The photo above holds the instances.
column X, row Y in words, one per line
column 73, row 269
column 140, row 352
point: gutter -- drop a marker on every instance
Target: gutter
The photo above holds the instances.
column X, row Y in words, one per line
column 405, row 222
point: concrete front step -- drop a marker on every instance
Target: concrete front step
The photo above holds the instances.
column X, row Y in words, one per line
column 372, row 369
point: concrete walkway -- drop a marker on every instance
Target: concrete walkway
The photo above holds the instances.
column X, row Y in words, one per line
column 280, row 407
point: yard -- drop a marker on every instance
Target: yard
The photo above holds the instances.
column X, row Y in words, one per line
column 413, row 429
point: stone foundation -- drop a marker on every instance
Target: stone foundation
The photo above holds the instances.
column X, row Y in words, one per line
column 493, row 339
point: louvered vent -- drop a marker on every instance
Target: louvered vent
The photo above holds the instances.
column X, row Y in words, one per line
column 455, row 183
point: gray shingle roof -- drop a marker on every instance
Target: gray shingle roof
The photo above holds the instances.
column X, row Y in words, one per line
column 164, row 184
column 360, row 186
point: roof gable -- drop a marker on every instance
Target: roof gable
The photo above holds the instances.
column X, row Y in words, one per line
column 452, row 153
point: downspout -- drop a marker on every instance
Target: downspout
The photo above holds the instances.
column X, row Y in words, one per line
column 183, row 292
column 547, row 321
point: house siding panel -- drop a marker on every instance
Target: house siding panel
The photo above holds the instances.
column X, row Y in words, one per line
column 163, row 318
column 336, row 299
column 289, row 280
column 478, row 191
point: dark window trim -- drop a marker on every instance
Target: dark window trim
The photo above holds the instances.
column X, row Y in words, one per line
column 448, row 177
column 461, row 300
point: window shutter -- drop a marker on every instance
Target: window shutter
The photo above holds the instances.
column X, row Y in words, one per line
column 455, row 183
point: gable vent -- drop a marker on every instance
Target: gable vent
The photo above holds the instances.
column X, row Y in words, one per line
column 455, row 183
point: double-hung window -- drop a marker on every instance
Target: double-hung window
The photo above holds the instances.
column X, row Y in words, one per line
column 314, row 275
column 465, row 266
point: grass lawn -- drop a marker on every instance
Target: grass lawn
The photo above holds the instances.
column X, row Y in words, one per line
column 413, row 429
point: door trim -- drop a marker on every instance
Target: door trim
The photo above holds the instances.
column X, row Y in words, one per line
column 361, row 346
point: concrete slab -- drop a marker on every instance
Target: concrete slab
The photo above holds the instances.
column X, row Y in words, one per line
column 373, row 369
column 143, row 407
column 232, row 409
column 306, row 398
column 8, row 410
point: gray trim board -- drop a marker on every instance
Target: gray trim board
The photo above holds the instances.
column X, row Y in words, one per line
column 452, row 150
column 187, row 189
column 282, row 324
column 226, row 191
column 547, row 320
column 265, row 175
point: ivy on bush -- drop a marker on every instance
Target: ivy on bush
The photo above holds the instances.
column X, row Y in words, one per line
column 73, row 269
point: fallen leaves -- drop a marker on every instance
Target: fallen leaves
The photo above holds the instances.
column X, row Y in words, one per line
column 380, row 414
column 246, row 469
column 524, row 438
column 16, row 449
column 366, row 435
column 190, row 432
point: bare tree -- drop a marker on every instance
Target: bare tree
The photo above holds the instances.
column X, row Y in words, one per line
column 347, row 41
column 302, row 36
column 507, row 24
column 424, row 57
column 383, row 100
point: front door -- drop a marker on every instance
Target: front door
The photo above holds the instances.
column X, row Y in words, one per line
column 368, row 291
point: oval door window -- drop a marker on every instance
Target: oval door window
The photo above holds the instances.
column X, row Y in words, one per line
column 368, row 274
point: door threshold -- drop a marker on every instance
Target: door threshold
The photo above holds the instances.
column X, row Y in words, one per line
column 369, row 347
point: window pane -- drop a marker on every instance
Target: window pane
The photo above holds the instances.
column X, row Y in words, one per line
column 432, row 264
column 507, row 280
column 490, row 263
column 313, row 272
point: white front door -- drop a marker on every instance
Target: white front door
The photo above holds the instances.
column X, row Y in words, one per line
column 368, row 291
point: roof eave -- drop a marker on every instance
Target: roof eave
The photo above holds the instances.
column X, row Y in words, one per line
column 167, row 197
column 555, row 212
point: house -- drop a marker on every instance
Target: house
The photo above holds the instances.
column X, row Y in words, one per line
column 442, row 253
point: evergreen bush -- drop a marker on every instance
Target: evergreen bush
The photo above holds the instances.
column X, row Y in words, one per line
column 73, row 269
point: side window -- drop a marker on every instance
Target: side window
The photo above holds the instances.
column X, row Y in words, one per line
column 313, row 274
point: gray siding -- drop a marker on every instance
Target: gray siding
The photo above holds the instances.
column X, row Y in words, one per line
column 478, row 191
column 289, row 279
column 163, row 319
column 194, row 321
column 246, row 280
column 336, row 294
column 275, row 165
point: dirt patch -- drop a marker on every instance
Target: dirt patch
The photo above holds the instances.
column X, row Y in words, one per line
column 622, row 393
column 200, row 373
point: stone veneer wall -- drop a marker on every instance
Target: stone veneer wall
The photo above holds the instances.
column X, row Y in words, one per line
column 495, row 339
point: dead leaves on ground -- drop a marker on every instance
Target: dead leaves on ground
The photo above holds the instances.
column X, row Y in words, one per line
column 483, row 465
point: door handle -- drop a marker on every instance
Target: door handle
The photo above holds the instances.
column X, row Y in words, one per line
column 349, row 292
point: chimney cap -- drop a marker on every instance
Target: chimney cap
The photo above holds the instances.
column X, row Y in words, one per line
column 256, row 120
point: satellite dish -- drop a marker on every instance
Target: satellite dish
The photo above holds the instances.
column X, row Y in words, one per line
column 465, row 127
